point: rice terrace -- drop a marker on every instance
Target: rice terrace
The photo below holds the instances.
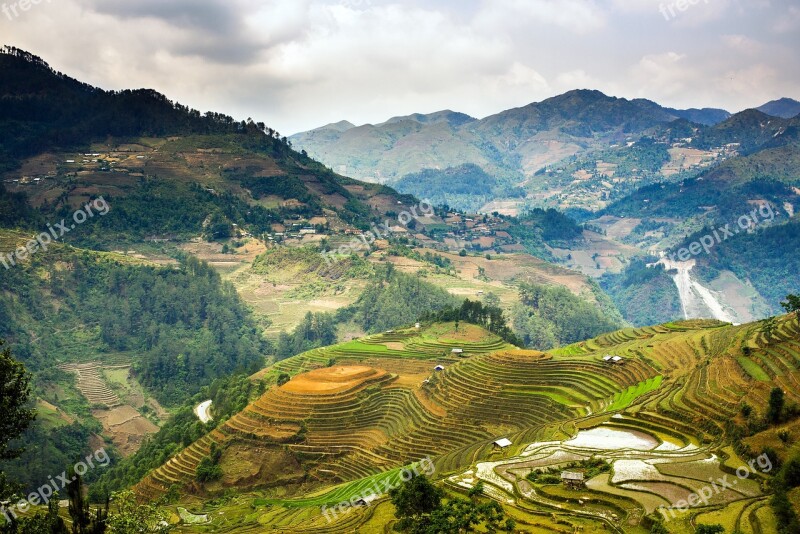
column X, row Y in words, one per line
column 648, row 432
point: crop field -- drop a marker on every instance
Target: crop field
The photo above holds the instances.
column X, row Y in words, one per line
column 354, row 414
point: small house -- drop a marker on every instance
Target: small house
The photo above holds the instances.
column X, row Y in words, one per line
column 607, row 358
column 617, row 359
column 573, row 479
column 439, row 368
column 502, row 443
column 366, row 500
column 457, row 351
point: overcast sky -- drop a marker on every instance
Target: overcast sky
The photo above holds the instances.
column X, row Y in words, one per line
column 298, row 64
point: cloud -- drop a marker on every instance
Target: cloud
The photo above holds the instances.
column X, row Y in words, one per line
column 661, row 75
column 743, row 44
column 756, row 81
column 574, row 16
column 296, row 64
column 789, row 21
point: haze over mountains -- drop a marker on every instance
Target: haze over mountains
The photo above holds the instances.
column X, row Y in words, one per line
column 513, row 143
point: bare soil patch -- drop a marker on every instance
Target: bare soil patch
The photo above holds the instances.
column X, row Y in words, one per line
column 332, row 379
column 126, row 427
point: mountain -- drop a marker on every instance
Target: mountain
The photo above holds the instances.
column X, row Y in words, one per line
column 786, row 108
column 511, row 146
column 753, row 195
column 466, row 186
column 170, row 170
column 449, row 117
column 704, row 116
column 749, row 129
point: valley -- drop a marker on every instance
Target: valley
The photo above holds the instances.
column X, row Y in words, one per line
column 519, row 323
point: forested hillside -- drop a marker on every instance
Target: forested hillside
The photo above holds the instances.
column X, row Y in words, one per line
column 466, row 187
column 395, row 299
column 645, row 295
column 549, row 317
column 768, row 258
column 178, row 327
column 182, row 327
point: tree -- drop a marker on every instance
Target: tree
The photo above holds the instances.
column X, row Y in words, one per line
column 15, row 390
column 710, row 529
column 15, row 417
column 208, row 471
column 792, row 305
column 491, row 300
column 420, row 510
column 776, row 404
column 414, row 501
column 82, row 520
column 476, row 491
column 129, row 517
column 791, row 473
column 284, row 378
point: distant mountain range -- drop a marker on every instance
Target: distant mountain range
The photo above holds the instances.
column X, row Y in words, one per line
column 785, row 108
column 514, row 145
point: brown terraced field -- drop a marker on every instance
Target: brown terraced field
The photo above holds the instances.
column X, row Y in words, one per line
column 123, row 423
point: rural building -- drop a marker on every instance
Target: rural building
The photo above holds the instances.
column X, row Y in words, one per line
column 367, row 500
column 439, row 368
column 617, row 359
column 457, row 351
column 573, row 480
column 502, row 443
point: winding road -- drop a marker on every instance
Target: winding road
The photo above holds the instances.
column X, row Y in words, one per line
column 202, row 411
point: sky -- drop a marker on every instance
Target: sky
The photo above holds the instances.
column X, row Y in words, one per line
column 299, row 64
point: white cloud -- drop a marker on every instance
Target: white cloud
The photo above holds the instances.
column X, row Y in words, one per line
column 575, row 16
column 743, row 44
column 661, row 75
column 789, row 21
column 296, row 64
column 749, row 85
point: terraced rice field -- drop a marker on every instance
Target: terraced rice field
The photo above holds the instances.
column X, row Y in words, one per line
column 123, row 423
column 91, row 383
column 353, row 414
